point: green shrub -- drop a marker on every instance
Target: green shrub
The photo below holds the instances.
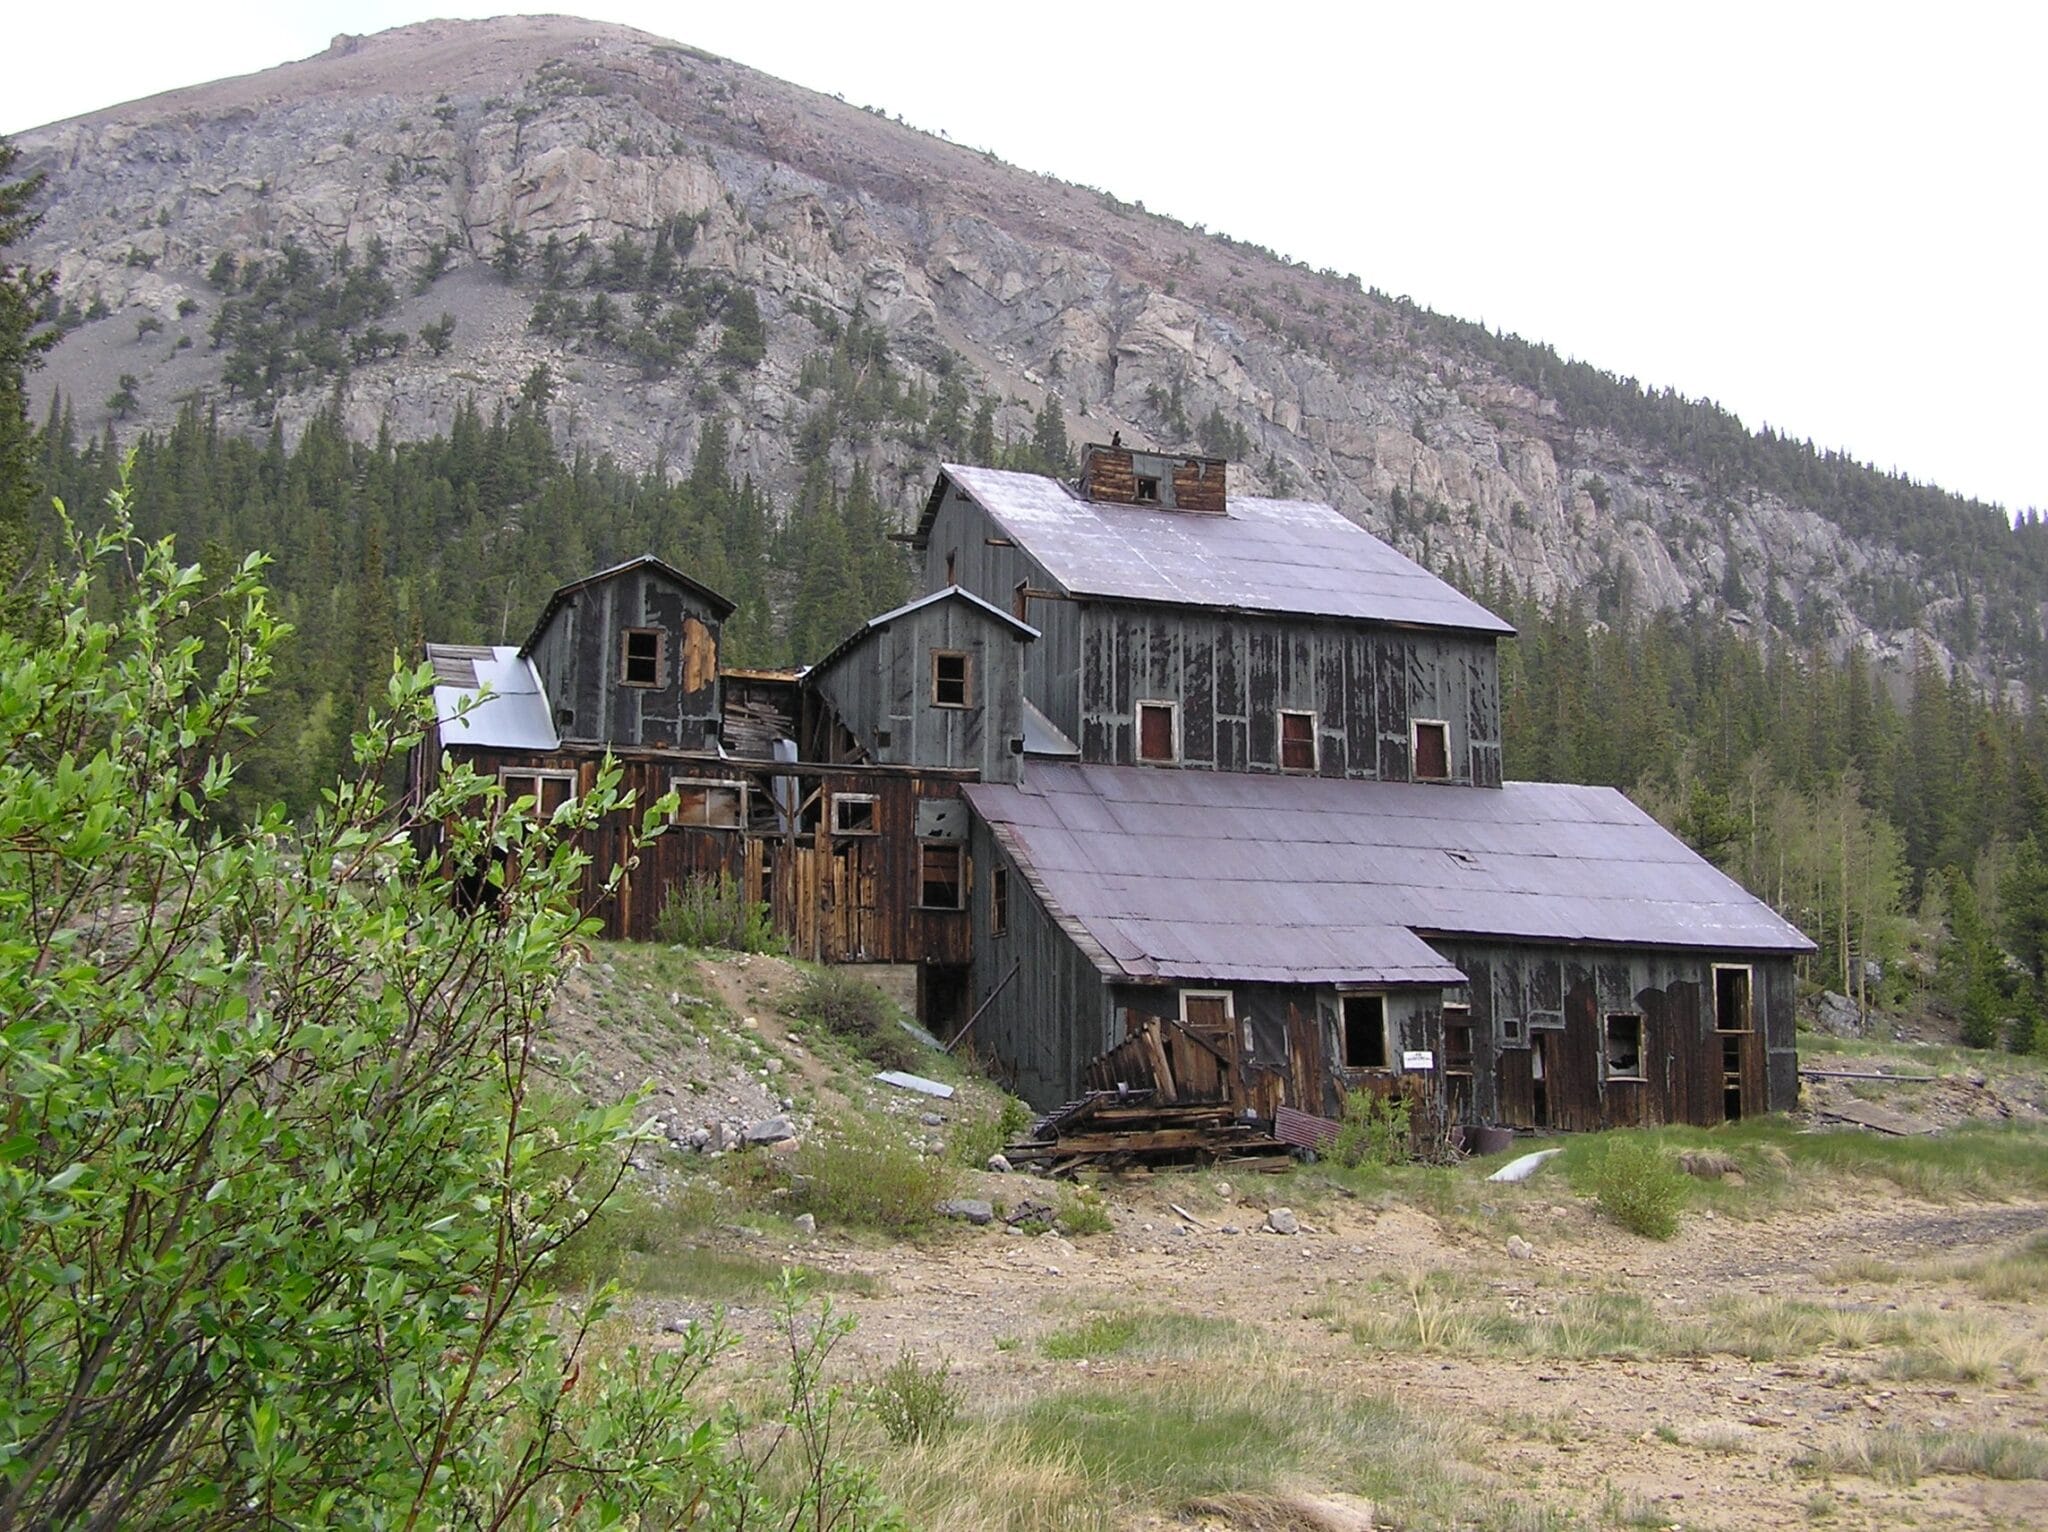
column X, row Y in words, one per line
column 1374, row 1131
column 1638, row 1188
column 1085, row 1215
column 915, row 1401
column 868, row 1183
column 855, row 1010
column 713, row 912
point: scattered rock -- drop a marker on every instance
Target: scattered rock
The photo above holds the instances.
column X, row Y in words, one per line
column 1028, row 1211
column 931, row 1119
column 677, row 1327
column 1282, row 1221
column 1224, row 1191
column 771, row 1130
column 1838, row 1015
column 1231, row 1228
column 699, row 1138
column 1000, row 1164
column 1520, row 1249
column 973, row 1209
column 806, row 1225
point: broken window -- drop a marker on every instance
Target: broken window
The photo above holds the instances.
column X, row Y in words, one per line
column 1457, row 1039
column 544, row 790
column 1624, row 1046
column 710, row 805
column 1365, row 1031
column 949, row 678
column 856, row 814
column 1432, row 751
column 1157, row 741
column 999, row 902
column 1731, row 999
column 1147, row 492
column 1297, row 742
column 940, row 869
column 640, row 656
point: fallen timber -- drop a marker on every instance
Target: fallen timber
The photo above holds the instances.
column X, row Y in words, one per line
column 1115, row 1130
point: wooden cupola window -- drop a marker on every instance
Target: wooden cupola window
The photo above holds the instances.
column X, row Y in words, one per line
column 952, row 679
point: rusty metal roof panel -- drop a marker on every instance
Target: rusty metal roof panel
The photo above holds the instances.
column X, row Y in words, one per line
column 1182, row 874
column 1296, row 557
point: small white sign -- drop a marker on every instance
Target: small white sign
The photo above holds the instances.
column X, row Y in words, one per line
column 1418, row 1058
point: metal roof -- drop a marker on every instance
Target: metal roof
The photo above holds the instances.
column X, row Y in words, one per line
column 949, row 593
column 1285, row 556
column 1044, row 737
column 1208, row 875
column 668, row 571
column 514, row 716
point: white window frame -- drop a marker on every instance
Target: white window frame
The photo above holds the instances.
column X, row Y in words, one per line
column 538, row 775
column 1607, row 1020
column 1138, row 730
column 1230, row 1019
column 1315, row 739
column 1415, row 728
column 874, row 803
column 739, row 789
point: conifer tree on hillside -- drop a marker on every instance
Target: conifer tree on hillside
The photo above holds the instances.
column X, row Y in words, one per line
column 22, row 344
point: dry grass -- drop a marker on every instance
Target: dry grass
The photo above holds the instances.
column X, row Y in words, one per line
column 1903, row 1456
column 1967, row 1350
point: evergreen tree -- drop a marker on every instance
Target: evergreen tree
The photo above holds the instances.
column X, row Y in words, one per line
column 22, row 344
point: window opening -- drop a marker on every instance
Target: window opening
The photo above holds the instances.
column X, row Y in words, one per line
column 1457, row 1039
column 710, row 805
column 999, row 902
column 1624, row 1046
column 640, row 656
column 1731, row 999
column 939, row 880
column 1157, row 741
column 548, row 790
column 1365, row 1031
column 856, row 814
column 1147, row 492
column 1297, row 742
column 949, row 678
column 1432, row 751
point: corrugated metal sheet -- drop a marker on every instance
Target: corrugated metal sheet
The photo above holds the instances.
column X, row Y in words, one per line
column 1185, row 874
column 514, row 717
column 875, row 624
column 1291, row 556
column 1042, row 736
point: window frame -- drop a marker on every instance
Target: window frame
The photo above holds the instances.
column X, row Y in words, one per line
column 1455, row 1015
column 958, row 851
column 998, row 901
column 1748, row 972
column 1641, row 1072
column 1315, row 743
column 966, row 679
column 1387, row 1052
column 1415, row 728
column 538, row 775
column 660, row 637
column 1172, row 730
column 874, row 803
column 1139, row 483
column 738, row 790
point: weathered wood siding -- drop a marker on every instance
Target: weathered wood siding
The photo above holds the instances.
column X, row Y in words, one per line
column 1529, row 1000
column 839, row 898
column 1052, row 1016
column 1232, row 676
column 881, row 691
column 982, row 559
column 579, row 660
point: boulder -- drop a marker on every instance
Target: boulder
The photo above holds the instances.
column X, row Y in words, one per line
column 972, row 1209
column 1707, row 1164
column 1000, row 1164
column 1282, row 1221
column 806, row 1225
column 1520, row 1249
column 771, row 1130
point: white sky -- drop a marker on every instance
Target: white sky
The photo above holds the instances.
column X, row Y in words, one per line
column 1828, row 218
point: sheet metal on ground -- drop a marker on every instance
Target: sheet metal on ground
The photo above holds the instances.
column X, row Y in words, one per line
column 1180, row 874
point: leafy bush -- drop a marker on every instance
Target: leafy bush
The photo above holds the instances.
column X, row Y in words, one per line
column 915, row 1401
column 1085, row 1215
column 1374, row 1131
column 714, row 912
column 1638, row 1188
column 975, row 1139
column 855, row 1010
column 283, row 1197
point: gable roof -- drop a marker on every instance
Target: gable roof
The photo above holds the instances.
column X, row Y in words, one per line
column 1296, row 557
column 950, row 593
column 662, row 567
column 1214, row 875
column 514, row 717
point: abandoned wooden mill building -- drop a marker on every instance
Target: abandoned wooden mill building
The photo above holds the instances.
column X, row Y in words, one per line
column 1155, row 771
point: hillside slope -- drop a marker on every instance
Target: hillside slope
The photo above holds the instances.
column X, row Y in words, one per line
column 431, row 145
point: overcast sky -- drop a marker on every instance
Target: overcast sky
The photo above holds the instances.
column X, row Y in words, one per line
column 1827, row 218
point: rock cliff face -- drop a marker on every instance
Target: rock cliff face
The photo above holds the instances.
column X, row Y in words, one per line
column 438, row 139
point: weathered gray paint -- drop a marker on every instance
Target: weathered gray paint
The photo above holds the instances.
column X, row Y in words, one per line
column 1053, row 1015
column 578, row 657
column 880, row 685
